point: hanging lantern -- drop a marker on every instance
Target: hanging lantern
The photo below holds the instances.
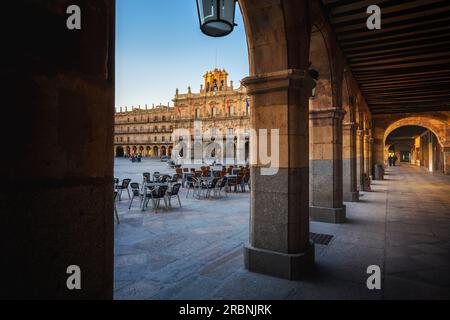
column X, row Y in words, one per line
column 216, row 17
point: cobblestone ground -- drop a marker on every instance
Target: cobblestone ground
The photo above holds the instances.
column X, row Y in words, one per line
column 195, row 252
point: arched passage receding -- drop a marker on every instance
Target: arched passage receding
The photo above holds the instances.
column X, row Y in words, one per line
column 436, row 126
column 437, row 123
column 415, row 145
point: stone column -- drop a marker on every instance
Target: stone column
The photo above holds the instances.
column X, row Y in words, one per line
column 279, row 226
column 56, row 203
column 366, row 154
column 326, row 166
column 350, row 190
column 370, row 159
column 430, row 152
column 360, row 159
column 447, row 160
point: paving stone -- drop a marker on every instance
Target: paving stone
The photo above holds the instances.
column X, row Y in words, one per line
column 195, row 252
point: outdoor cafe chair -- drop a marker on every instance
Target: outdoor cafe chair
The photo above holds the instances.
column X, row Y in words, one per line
column 174, row 192
column 246, row 180
column 124, row 186
column 191, row 184
column 156, row 194
column 115, row 208
column 211, row 185
column 221, row 185
column 236, row 182
column 135, row 191
column 116, row 183
column 164, row 178
column 156, row 176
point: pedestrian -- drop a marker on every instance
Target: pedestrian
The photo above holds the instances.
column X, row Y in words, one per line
column 390, row 161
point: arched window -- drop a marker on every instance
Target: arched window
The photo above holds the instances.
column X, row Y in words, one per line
column 197, row 113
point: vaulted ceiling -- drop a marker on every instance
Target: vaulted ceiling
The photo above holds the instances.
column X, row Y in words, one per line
column 404, row 66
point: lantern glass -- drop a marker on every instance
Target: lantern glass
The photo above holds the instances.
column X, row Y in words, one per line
column 216, row 16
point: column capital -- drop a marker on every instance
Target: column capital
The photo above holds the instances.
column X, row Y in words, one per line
column 331, row 113
column 360, row 132
column 349, row 125
column 279, row 80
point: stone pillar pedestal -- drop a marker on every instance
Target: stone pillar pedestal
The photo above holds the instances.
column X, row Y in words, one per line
column 349, row 184
column 279, row 225
column 326, row 166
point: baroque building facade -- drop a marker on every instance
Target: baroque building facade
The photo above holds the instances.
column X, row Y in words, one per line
column 144, row 131
column 218, row 114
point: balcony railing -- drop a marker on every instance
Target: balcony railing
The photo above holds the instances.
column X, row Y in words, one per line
column 142, row 142
column 132, row 131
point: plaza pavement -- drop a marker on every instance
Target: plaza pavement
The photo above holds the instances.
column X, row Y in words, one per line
column 195, row 252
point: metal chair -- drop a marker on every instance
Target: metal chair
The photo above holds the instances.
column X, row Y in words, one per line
column 174, row 192
column 221, row 184
column 211, row 186
column 124, row 186
column 191, row 184
column 156, row 194
column 136, row 192
column 115, row 207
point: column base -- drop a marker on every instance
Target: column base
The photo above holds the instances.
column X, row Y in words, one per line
column 277, row 264
column 330, row 215
column 365, row 188
column 351, row 196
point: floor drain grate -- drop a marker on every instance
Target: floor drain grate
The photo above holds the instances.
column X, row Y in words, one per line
column 319, row 238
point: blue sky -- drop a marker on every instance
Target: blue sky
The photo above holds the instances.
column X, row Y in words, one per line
column 160, row 48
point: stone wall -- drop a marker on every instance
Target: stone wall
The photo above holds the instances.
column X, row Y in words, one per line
column 56, row 197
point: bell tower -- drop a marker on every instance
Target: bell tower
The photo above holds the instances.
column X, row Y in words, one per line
column 215, row 80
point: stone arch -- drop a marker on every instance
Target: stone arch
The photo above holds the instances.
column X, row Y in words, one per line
column 436, row 126
column 163, row 151
column 155, row 151
column 120, row 152
column 271, row 48
column 348, row 104
column 319, row 57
